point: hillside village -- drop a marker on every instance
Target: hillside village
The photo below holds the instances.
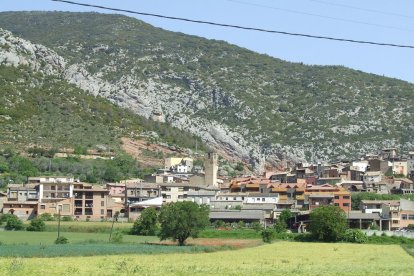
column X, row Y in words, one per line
column 250, row 198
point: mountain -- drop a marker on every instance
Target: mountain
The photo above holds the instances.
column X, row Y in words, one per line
column 244, row 104
column 40, row 108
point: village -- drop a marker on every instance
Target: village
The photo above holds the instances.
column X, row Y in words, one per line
column 300, row 188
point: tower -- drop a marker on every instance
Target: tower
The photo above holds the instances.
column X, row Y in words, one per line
column 211, row 168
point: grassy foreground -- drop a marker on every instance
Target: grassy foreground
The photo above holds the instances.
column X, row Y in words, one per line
column 281, row 258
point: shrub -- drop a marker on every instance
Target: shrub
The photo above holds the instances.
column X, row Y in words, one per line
column 355, row 236
column 146, row 224
column 410, row 227
column 46, row 217
column 67, row 218
column 4, row 218
column 280, row 226
column 61, row 240
column 268, row 235
column 117, row 237
column 14, row 223
column 218, row 224
column 256, row 226
column 36, row 225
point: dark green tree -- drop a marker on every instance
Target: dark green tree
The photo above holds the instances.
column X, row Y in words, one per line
column 147, row 223
column 285, row 217
column 182, row 220
column 13, row 223
column 328, row 223
column 36, row 225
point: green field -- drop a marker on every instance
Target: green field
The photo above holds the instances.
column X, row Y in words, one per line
column 46, row 238
column 281, row 258
column 87, row 227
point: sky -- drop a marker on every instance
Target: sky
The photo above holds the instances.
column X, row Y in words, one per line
column 382, row 21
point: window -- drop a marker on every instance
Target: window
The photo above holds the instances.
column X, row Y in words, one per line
column 346, row 197
column 336, row 197
column 411, row 217
column 336, row 204
column 102, row 195
column 263, row 199
column 404, row 217
column 346, row 205
column 102, row 203
column 66, row 207
column 42, row 207
column 102, row 212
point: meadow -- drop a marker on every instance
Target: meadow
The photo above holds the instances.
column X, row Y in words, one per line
column 280, row 258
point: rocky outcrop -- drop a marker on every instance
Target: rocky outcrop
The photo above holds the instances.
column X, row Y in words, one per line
column 15, row 51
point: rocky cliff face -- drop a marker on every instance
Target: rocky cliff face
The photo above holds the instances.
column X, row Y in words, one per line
column 246, row 105
column 15, row 51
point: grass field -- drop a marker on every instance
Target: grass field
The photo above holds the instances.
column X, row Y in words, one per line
column 281, row 258
column 87, row 227
column 46, row 238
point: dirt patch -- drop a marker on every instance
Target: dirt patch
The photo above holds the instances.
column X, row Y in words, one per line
column 145, row 152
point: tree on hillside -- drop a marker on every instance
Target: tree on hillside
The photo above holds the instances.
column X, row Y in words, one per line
column 182, row 220
column 328, row 223
column 147, row 223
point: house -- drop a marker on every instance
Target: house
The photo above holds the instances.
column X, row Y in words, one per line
column 375, row 206
column 379, row 165
column 179, row 164
column 406, row 185
column 406, row 213
column 400, row 167
column 248, row 216
column 322, row 195
column 351, row 185
column 90, row 202
column 134, row 209
column 21, row 201
column 173, row 192
column 372, row 176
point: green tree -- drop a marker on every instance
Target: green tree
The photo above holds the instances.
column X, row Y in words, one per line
column 268, row 235
column 36, row 225
column 182, row 220
column 328, row 223
column 285, row 217
column 13, row 223
column 147, row 223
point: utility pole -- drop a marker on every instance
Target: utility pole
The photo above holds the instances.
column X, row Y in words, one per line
column 58, row 223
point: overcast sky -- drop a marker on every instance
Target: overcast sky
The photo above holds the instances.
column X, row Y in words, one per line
column 371, row 20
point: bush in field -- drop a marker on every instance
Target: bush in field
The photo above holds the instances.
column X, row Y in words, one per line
column 36, row 225
column 14, row 223
column 61, row 240
column 181, row 220
column 117, row 237
column 147, row 223
column 355, row 236
column 285, row 217
column 328, row 223
column 280, row 226
column 67, row 218
column 268, row 235
column 4, row 218
column 256, row 226
column 410, row 227
column 46, row 217
column 219, row 224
